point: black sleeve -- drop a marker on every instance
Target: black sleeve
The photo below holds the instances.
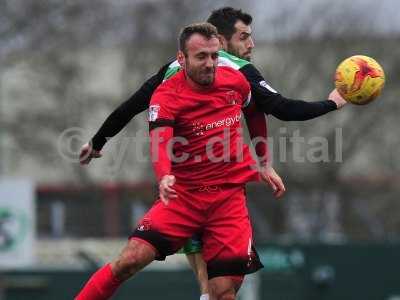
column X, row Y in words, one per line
column 271, row 102
column 121, row 116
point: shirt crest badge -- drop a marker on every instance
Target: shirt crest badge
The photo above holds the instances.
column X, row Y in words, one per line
column 232, row 98
column 153, row 112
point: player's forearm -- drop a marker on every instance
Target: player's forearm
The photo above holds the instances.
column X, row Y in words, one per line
column 271, row 102
column 299, row 110
column 159, row 140
column 257, row 126
column 116, row 121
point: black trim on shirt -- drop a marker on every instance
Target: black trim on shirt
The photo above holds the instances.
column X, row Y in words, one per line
column 160, row 123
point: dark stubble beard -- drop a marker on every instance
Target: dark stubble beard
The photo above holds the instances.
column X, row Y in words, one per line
column 231, row 50
column 199, row 77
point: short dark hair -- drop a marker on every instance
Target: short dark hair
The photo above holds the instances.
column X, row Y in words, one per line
column 205, row 29
column 225, row 19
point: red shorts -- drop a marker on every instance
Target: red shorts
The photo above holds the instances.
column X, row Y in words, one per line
column 218, row 213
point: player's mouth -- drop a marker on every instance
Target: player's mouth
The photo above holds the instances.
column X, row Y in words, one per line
column 207, row 75
column 208, row 71
column 247, row 54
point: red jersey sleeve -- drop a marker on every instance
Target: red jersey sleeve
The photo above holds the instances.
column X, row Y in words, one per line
column 162, row 113
column 159, row 140
column 162, row 108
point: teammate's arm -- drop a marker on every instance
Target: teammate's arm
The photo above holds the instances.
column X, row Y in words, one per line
column 121, row 116
column 271, row 102
column 257, row 126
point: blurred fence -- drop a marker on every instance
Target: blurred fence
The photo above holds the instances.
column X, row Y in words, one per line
column 346, row 211
column 108, row 210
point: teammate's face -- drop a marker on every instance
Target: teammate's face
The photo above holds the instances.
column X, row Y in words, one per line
column 241, row 44
column 200, row 60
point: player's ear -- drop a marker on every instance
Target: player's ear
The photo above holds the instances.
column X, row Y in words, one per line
column 181, row 58
column 223, row 41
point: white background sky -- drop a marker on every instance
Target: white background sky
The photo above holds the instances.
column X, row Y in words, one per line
column 376, row 17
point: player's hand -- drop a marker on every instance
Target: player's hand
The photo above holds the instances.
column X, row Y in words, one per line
column 87, row 153
column 269, row 175
column 335, row 97
column 166, row 190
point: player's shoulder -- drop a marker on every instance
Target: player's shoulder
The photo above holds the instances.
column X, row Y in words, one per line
column 233, row 79
column 251, row 73
column 228, row 72
column 172, row 68
column 166, row 93
column 232, row 76
column 172, row 84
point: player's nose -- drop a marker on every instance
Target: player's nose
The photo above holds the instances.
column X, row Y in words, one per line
column 209, row 62
column 250, row 43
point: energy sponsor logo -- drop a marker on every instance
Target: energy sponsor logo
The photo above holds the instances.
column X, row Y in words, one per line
column 199, row 127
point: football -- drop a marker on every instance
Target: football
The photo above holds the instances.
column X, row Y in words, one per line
column 359, row 79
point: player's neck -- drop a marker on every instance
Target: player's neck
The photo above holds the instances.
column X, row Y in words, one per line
column 223, row 49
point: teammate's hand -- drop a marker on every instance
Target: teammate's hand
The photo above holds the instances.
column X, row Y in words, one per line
column 87, row 153
column 269, row 175
column 166, row 190
column 335, row 97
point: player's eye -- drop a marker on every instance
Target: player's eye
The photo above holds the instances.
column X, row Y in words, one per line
column 244, row 36
column 201, row 56
column 214, row 55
